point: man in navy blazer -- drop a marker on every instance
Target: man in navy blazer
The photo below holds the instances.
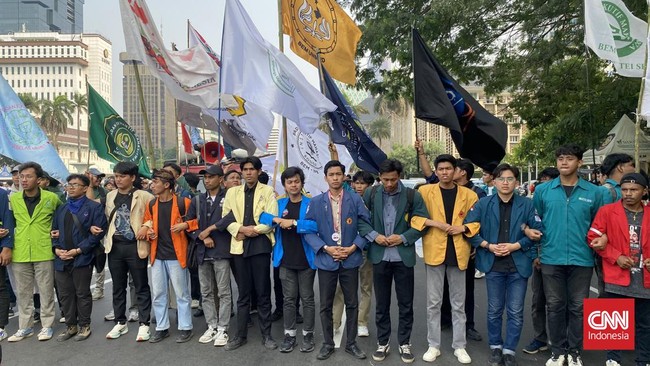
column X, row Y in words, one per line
column 338, row 247
column 505, row 255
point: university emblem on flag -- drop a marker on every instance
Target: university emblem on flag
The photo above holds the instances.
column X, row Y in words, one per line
column 22, row 131
column 316, row 24
column 626, row 44
column 309, row 150
column 121, row 141
column 280, row 79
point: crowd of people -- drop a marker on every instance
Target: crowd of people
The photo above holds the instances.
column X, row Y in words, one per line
column 174, row 246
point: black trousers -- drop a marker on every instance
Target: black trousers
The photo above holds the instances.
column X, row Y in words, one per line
column 4, row 297
column 195, row 286
column 74, row 294
column 349, row 280
column 122, row 260
column 445, row 310
column 253, row 273
column 641, row 330
column 277, row 289
column 383, row 275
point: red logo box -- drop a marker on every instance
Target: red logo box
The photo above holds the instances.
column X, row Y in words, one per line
column 608, row 324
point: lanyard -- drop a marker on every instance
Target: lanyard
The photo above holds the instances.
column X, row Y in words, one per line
column 337, row 222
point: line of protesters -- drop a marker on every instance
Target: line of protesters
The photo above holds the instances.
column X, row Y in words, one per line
column 553, row 238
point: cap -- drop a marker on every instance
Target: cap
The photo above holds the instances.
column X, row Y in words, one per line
column 53, row 182
column 636, row 178
column 96, row 172
column 212, row 170
column 15, row 168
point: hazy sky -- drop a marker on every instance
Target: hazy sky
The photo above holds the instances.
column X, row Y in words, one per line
column 206, row 16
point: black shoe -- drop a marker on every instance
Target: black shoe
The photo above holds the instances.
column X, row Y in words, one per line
column 325, row 352
column 235, row 343
column 277, row 315
column 445, row 326
column 355, row 351
column 509, row 360
column 288, row 344
column 473, row 334
column 307, row 343
column 269, row 343
column 159, row 335
column 299, row 319
column 198, row 313
column 496, row 358
column 37, row 317
column 184, row 336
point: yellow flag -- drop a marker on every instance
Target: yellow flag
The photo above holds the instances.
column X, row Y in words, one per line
column 322, row 26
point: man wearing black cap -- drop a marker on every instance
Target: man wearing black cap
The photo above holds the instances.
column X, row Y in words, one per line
column 50, row 184
column 213, row 256
column 626, row 266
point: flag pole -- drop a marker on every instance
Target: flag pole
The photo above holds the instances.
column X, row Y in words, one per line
column 637, row 125
column 415, row 118
column 145, row 117
column 78, row 139
column 283, row 127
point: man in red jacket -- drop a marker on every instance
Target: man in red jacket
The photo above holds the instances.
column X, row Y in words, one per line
column 625, row 225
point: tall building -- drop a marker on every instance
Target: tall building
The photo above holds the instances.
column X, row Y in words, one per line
column 62, row 16
column 160, row 105
column 49, row 64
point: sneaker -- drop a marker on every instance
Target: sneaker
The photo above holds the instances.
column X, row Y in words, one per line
column 195, row 304
column 405, row 353
column 535, row 346
column 276, row 315
column 159, row 335
column 70, row 332
column 110, row 316
column 209, row 335
column 462, row 356
column 496, row 358
column 37, row 317
column 117, row 331
column 45, row 334
column 235, row 343
column 11, row 311
column 83, row 333
column 144, row 333
column 473, row 334
column 478, row 274
column 509, row 360
column 198, row 312
column 21, row 334
column 97, row 294
column 575, row 360
column 221, row 339
column 556, row 360
column 133, row 316
column 269, row 343
column 184, row 336
column 3, row 334
column 307, row 343
column 288, row 344
column 62, row 319
column 362, row 331
column 431, row 354
column 612, row 363
column 381, row 352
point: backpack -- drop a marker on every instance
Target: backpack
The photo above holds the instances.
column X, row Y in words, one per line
column 179, row 199
column 410, row 196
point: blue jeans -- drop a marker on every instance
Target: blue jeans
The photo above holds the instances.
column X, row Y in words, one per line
column 505, row 290
column 164, row 272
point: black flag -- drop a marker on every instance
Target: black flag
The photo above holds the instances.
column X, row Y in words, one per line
column 478, row 135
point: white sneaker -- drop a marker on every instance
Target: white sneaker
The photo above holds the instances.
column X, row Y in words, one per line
column 221, row 339
column 478, row 274
column 45, row 334
column 431, row 354
column 62, row 319
column 3, row 334
column 195, row 304
column 21, row 334
column 612, row 363
column 134, row 316
column 143, row 333
column 462, row 356
column 575, row 360
column 208, row 336
column 556, row 360
column 117, row 331
column 362, row 331
column 110, row 316
column 97, row 294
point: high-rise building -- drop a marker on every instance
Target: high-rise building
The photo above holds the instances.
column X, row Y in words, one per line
column 160, row 106
column 46, row 65
column 62, row 16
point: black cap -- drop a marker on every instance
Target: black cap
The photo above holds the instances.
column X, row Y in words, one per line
column 212, row 170
column 636, row 178
column 53, row 182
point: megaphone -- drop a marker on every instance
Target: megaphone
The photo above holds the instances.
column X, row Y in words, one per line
column 212, row 152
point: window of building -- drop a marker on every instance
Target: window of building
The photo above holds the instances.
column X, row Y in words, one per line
column 514, row 139
column 59, row 83
column 48, row 84
column 36, row 83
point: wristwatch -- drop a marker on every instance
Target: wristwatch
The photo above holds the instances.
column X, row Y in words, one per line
column 295, row 223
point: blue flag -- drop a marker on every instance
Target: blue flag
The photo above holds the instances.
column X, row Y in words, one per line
column 22, row 139
column 348, row 131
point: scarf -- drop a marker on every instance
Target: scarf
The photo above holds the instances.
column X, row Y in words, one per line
column 74, row 204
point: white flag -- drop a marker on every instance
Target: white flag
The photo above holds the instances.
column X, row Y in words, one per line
column 310, row 153
column 614, row 34
column 190, row 74
column 258, row 72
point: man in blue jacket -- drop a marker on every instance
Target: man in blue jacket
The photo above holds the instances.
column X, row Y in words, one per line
column 7, row 225
column 74, row 247
column 338, row 247
column 505, row 255
column 295, row 258
column 567, row 206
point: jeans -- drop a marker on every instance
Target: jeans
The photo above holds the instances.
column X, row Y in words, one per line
column 505, row 290
column 164, row 272
column 214, row 276
column 5, row 287
column 122, row 261
column 538, row 307
column 293, row 282
column 349, row 280
column 74, row 290
column 384, row 273
column 565, row 288
column 641, row 330
column 435, row 280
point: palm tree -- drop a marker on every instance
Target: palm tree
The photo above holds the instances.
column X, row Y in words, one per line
column 31, row 103
column 391, row 107
column 380, row 128
column 56, row 116
column 80, row 104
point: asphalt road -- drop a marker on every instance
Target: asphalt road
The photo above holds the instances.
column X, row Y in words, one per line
column 97, row 350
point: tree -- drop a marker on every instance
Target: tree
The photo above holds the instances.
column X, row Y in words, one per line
column 380, row 128
column 408, row 156
column 56, row 116
column 79, row 104
column 32, row 104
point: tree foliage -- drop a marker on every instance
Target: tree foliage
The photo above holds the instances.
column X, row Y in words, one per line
column 408, row 157
column 56, row 115
column 379, row 128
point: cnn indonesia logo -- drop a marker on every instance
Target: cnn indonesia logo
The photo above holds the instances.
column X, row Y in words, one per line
column 608, row 324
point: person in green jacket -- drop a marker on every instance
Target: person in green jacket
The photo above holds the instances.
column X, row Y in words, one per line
column 33, row 260
column 52, row 185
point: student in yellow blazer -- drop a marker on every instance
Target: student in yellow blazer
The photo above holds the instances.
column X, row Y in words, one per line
column 446, row 253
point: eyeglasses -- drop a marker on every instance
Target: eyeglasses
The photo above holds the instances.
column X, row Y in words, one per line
column 75, row 185
column 505, row 179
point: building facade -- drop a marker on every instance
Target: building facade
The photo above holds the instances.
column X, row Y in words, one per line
column 62, row 16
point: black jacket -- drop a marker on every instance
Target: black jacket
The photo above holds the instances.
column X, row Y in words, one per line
column 221, row 239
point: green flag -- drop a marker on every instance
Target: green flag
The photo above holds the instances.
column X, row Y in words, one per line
column 111, row 136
